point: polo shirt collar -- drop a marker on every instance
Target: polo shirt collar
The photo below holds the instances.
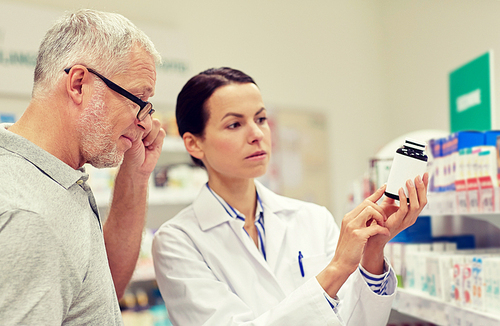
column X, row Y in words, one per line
column 53, row 167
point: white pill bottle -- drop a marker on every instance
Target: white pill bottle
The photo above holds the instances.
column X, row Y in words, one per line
column 410, row 160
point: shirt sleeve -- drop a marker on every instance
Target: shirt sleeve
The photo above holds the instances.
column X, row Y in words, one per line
column 379, row 284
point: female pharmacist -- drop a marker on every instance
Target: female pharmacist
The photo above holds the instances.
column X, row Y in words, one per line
column 243, row 255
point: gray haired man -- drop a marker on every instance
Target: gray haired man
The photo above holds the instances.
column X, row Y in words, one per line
column 60, row 264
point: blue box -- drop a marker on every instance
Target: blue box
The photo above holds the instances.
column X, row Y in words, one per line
column 420, row 231
column 7, row 117
column 468, row 139
column 467, row 241
column 490, row 137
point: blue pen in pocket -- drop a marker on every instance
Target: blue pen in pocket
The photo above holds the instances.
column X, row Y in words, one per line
column 300, row 264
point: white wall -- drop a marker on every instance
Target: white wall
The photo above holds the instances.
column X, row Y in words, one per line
column 423, row 42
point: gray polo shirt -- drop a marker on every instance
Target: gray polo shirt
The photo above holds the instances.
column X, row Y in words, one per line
column 53, row 264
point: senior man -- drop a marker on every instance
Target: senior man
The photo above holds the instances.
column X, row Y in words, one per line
column 60, row 264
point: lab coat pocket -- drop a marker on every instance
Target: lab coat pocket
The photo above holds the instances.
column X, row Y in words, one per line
column 306, row 267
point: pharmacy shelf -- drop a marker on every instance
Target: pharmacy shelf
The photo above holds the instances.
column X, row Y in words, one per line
column 156, row 197
column 144, row 271
column 439, row 312
column 492, row 218
column 444, row 205
column 173, row 144
column 173, row 153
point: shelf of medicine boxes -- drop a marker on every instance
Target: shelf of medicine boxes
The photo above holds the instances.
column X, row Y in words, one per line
column 439, row 312
column 445, row 204
column 163, row 203
column 173, row 152
column 433, row 310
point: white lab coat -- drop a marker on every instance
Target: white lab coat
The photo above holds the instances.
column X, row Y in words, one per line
column 210, row 272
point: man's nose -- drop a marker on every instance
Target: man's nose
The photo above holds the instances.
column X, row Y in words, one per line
column 145, row 124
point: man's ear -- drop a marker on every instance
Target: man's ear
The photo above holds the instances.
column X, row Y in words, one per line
column 78, row 77
column 191, row 142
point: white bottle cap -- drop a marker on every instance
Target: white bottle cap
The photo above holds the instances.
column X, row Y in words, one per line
column 415, row 144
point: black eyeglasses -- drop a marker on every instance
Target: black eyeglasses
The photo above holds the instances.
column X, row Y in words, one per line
column 146, row 108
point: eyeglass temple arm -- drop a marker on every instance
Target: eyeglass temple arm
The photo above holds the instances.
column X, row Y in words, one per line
column 116, row 88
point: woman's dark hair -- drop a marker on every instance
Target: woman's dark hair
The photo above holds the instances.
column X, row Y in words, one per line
column 190, row 111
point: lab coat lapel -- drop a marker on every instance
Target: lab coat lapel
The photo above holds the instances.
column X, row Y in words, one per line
column 206, row 202
column 261, row 265
column 276, row 208
column 248, row 244
column 275, row 234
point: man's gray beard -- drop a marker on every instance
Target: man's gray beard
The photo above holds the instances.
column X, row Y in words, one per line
column 95, row 129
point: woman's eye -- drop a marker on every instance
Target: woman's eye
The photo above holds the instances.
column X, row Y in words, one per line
column 234, row 125
column 262, row 119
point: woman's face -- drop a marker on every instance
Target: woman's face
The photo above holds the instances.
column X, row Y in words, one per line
column 237, row 139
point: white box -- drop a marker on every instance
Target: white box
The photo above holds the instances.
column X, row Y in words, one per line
column 457, row 280
column 478, row 292
column 410, row 266
column 467, row 282
column 446, row 277
column 433, row 278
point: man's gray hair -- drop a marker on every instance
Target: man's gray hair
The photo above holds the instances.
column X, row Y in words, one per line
column 95, row 39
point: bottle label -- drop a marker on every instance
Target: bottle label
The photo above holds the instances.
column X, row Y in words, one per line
column 404, row 168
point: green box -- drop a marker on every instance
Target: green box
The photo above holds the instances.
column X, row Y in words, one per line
column 471, row 96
